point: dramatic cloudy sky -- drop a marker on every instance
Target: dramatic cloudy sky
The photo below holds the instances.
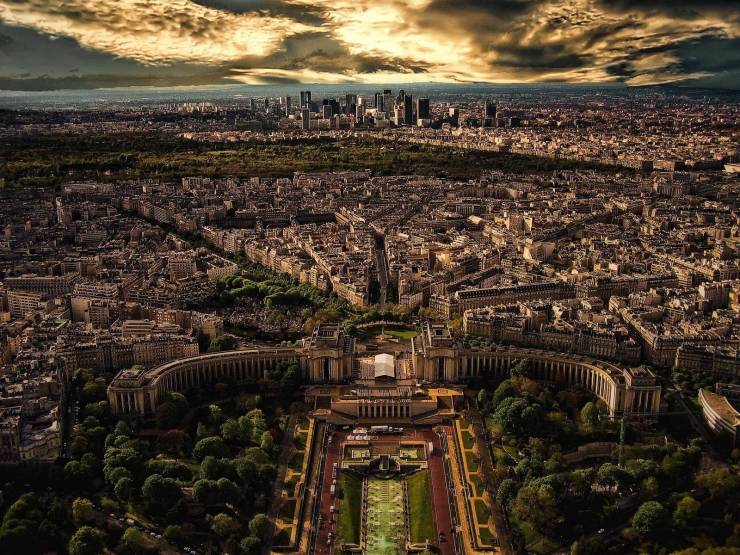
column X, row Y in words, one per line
column 46, row 44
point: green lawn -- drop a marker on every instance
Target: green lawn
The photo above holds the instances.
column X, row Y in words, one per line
column 533, row 540
column 544, row 546
column 481, row 511
column 512, row 452
column 300, row 438
column 478, row 484
column 291, row 483
column 287, row 511
column 420, row 505
column 468, row 439
column 472, row 461
column 296, row 463
column 350, row 509
column 485, row 536
column 400, row 333
column 282, row 537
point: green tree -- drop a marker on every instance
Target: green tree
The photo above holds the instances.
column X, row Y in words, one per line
column 641, row 469
column 94, row 391
column 721, row 483
column 506, row 492
column 228, row 491
column 266, row 442
column 537, row 504
column 679, row 466
column 170, row 469
column 482, row 399
column 167, row 415
column 591, row 416
column 116, row 473
column 521, row 368
column 650, row 519
column 503, row 391
column 161, row 491
column 250, row 545
column 124, row 488
column 76, row 474
column 213, row 468
column 86, row 541
column 686, row 512
column 289, row 383
column 587, row 546
column 82, row 510
column 134, row 539
column 615, row 478
column 174, row 442
column 215, row 414
column 213, row 446
column 246, row 469
column 650, row 488
column 245, row 429
column 223, row 525
column 258, row 423
column 222, row 343
column 206, row 492
column 266, row 474
column 126, row 457
column 259, row 525
column 122, row 428
column 518, row 416
column 173, row 533
column 230, row 431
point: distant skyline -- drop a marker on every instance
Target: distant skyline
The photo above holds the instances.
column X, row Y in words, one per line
column 85, row 44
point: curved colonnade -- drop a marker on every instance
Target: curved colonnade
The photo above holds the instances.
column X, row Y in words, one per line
column 623, row 390
column 139, row 392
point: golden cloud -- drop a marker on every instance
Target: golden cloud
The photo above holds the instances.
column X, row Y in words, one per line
column 159, row 31
column 442, row 40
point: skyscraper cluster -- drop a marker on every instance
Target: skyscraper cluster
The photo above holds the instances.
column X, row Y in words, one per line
column 382, row 110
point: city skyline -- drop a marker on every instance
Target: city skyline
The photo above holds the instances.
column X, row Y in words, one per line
column 77, row 44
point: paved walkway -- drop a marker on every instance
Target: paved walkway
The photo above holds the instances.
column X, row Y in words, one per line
column 325, row 499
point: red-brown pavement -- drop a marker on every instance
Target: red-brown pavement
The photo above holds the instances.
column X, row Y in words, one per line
column 440, row 499
column 329, row 522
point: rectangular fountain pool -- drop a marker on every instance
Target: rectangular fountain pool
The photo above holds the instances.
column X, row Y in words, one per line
column 386, row 518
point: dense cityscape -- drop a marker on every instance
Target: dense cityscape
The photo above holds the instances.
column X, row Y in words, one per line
column 369, row 277
column 506, row 321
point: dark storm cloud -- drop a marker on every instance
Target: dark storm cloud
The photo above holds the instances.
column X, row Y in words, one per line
column 689, row 9
column 480, row 17
column 309, row 15
column 604, row 31
column 500, row 9
column 319, row 51
column 79, row 82
column 34, row 61
column 551, row 56
column 6, row 44
column 709, row 54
